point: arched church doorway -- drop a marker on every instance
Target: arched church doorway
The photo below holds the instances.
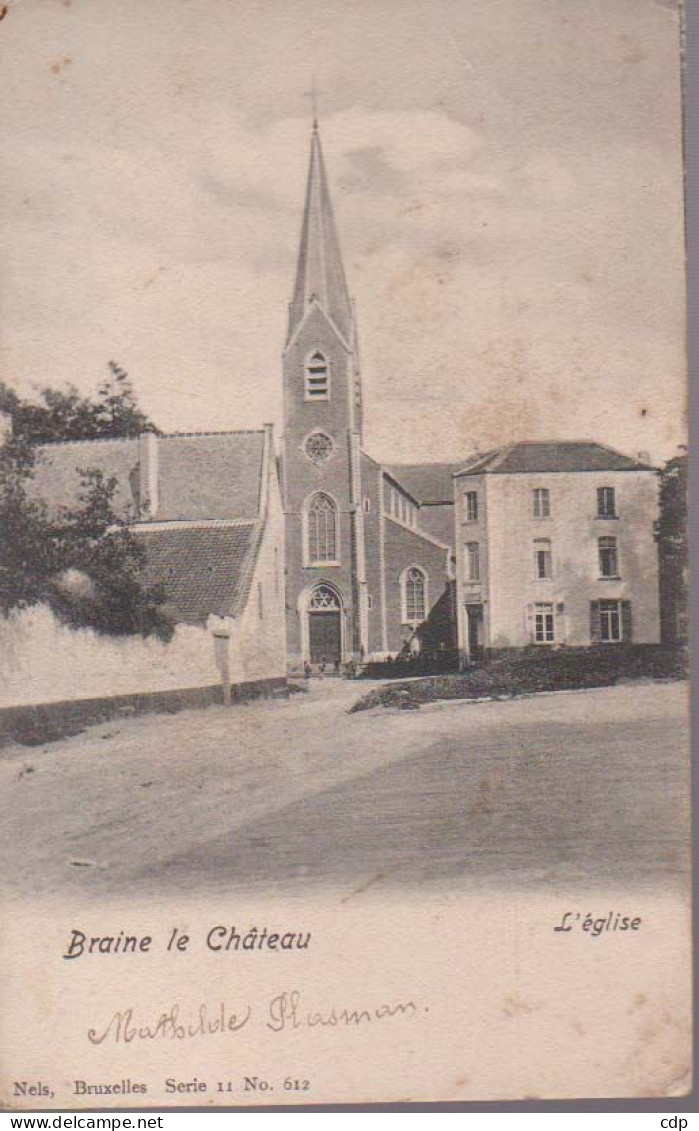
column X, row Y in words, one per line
column 324, row 625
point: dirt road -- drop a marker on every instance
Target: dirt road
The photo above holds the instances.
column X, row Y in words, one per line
column 285, row 794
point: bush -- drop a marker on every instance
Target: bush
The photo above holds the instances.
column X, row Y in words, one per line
column 535, row 670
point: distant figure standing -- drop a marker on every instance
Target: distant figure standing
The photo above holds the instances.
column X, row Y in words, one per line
column 336, row 666
column 322, row 666
column 306, row 670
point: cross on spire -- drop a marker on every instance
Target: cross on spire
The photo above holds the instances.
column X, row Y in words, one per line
column 313, row 95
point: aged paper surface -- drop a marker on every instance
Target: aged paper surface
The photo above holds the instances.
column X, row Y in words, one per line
column 343, row 706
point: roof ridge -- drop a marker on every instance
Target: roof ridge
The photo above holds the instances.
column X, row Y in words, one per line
column 213, row 432
column 616, row 452
column 371, row 459
column 88, row 440
column 502, row 454
column 159, row 436
column 159, row 526
column 431, row 463
column 477, row 461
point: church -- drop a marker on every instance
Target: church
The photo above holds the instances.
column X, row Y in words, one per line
column 280, row 553
column 368, row 546
column 274, row 552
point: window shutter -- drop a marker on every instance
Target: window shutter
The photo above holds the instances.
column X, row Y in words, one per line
column 626, row 625
column 595, row 622
column 559, row 622
column 529, row 621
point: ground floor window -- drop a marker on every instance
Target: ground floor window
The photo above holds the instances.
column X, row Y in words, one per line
column 610, row 621
column 543, row 623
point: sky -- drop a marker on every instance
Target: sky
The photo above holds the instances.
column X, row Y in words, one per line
column 507, row 183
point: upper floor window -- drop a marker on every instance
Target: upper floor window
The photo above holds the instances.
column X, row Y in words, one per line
column 414, row 595
column 471, row 505
column 608, row 557
column 473, row 561
column 606, row 502
column 321, row 530
column 541, row 502
column 543, row 559
column 317, row 380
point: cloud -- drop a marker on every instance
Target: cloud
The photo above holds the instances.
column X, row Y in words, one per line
column 510, row 230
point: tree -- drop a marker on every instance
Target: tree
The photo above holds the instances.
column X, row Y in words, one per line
column 83, row 562
column 102, row 582
column 673, row 551
column 65, row 414
column 26, row 547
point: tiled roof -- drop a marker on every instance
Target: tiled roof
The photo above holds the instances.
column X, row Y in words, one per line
column 56, row 478
column 426, row 482
column 546, row 456
column 203, row 569
column 210, row 476
column 438, row 520
column 200, row 475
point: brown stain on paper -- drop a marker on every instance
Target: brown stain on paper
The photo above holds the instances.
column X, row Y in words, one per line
column 57, row 68
column 514, row 1004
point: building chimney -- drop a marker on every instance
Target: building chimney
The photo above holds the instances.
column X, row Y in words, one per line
column 643, row 457
column 148, row 474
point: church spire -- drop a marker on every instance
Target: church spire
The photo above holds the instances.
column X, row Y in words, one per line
column 320, row 276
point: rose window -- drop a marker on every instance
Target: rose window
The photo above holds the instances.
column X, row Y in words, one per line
column 318, row 447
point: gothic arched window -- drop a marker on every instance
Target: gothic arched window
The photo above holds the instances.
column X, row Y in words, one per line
column 321, row 530
column 414, row 595
column 317, row 379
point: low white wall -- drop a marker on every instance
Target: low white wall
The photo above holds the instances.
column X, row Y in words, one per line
column 42, row 661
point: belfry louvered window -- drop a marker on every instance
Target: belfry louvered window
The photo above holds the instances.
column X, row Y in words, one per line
column 317, row 380
column 322, row 529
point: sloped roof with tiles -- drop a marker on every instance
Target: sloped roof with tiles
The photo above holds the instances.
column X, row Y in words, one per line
column 426, row 482
column 551, row 456
column 202, row 542
column 203, row 569
column 205, row 475
column 57, row 479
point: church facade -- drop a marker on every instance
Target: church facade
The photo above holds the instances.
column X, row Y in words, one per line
column 365, row 578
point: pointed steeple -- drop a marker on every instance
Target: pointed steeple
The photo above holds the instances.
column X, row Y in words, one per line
column 320, row 276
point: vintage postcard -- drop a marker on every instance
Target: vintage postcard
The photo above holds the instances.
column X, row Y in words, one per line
column 343, row 566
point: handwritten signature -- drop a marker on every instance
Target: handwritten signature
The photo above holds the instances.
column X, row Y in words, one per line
column 284, row 1012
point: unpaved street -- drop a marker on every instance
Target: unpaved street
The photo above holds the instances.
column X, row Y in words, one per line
column 287, row 794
